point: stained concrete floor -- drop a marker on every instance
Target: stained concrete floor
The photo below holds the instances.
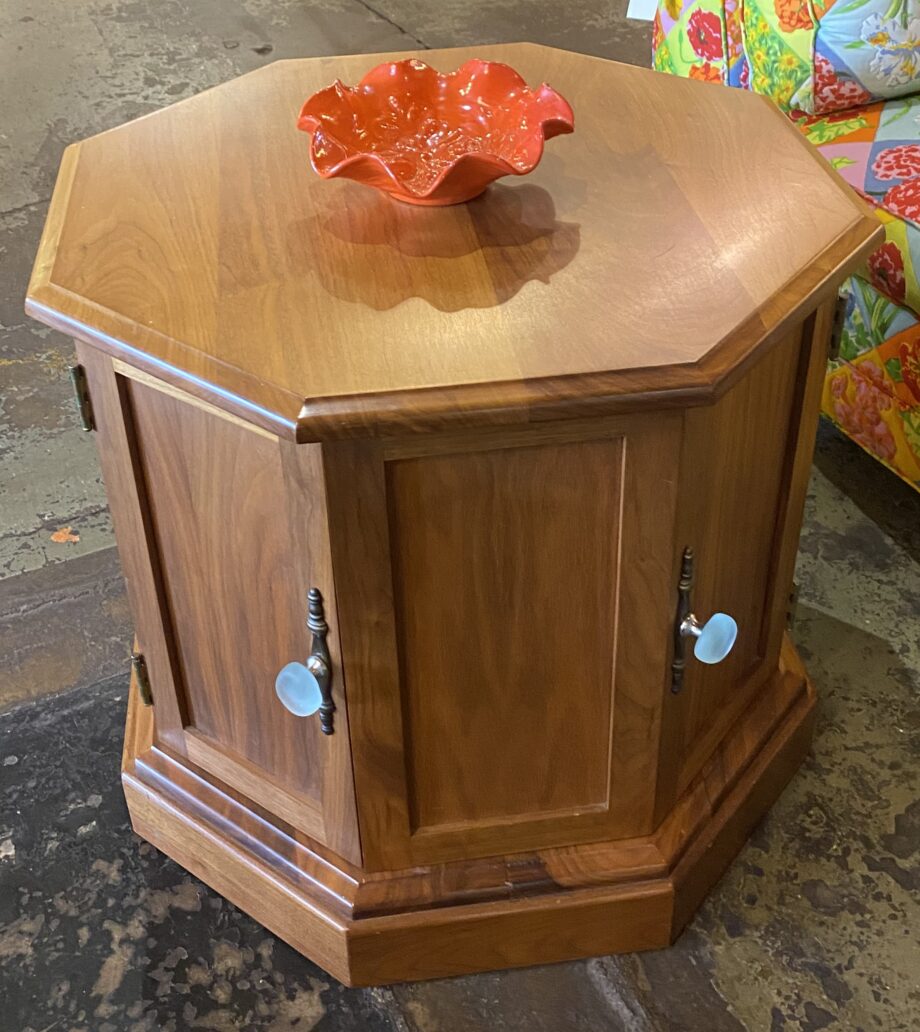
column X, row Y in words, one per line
column 816, row 925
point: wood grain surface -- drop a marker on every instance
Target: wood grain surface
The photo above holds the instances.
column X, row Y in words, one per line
column 519, row 909
column 752, row 450
column 506, row 574
column 137, row 549
column 223, row 530
column 505, row 663
column 650, row 254
column 486, row 433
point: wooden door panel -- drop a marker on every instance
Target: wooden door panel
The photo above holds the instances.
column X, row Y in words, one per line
column 136, row 543
column 742, row 448
column 225, row 547
column 236, row 532
column 505, row 575
column 509, row 626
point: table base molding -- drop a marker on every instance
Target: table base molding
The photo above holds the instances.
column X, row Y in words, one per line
column 475, row 915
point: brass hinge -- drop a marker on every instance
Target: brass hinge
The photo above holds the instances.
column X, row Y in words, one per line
column 139, row 665
column 84, row 403
column 840, row 316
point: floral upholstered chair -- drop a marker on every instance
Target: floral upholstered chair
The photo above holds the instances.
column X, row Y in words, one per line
column 848, row 73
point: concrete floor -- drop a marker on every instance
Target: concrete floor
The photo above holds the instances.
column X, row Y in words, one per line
column 816, row 925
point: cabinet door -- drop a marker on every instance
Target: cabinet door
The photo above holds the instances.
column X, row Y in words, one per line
column 222, row 531
column 744, row 474
column 506, row 607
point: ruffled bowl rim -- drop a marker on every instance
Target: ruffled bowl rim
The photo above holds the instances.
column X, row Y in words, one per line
column 559, row 122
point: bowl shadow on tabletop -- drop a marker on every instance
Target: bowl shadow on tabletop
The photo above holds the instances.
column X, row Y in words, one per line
column 369, row 249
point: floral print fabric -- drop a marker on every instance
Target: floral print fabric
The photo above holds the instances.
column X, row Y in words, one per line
column 777, row 38
column 872, row 391
column 699, row 39
column 877, row 150
column 780, row 48
column 872, row 46
column 816, row 56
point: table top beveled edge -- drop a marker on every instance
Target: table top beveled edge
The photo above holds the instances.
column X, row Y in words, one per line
column 413, row 410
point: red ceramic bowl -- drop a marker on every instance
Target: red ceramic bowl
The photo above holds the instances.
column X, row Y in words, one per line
column 429, row 138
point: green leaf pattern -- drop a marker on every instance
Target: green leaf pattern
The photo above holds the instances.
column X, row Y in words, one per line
column 777, row 69
column 893, row 367
column 869, row 322
column 911, row 420
column 826, row 131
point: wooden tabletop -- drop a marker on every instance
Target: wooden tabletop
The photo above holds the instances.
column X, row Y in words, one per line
column 649, row 256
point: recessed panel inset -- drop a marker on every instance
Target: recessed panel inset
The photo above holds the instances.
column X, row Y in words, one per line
column 238, row 526
column 505, row 574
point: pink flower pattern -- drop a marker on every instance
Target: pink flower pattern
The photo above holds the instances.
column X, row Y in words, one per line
column 832, row 92
column 901, row 162
column 861, row 417
column 886, row 271
column 904, row 200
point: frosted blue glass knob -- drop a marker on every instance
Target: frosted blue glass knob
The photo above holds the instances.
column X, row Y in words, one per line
column 714, row 639
column 305, row 688
column 298, row 689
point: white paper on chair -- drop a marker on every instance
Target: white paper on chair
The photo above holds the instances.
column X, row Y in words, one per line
column 641, row 10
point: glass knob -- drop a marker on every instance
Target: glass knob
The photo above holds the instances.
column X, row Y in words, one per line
column 306, row 688
column 714, row 639
column 298, row 689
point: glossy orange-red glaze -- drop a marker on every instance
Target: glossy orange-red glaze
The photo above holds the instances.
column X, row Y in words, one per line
column 429, row 138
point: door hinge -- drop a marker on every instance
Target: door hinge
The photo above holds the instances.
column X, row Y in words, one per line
column 792, row 606
column 840, row 318
column 139, row 666
column 84, row 403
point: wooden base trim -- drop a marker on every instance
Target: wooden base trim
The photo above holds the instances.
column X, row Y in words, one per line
column 548, row 929
column 711, row 853
column 467, row 916
column 244, row 879
column 430, row 943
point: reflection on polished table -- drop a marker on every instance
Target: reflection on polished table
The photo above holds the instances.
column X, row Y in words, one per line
column 475, row 478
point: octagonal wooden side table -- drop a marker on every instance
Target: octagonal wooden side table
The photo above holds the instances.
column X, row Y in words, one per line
column 424, row 512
